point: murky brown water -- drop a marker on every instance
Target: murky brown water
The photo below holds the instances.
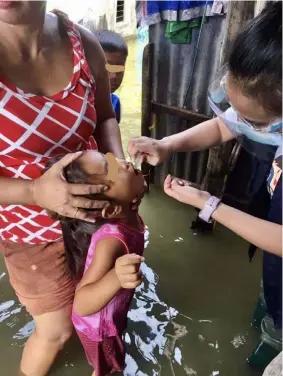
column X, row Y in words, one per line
column 192, row 314
column 130, row 95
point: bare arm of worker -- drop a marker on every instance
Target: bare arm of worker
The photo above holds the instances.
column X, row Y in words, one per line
column 203, row 136
column 107, row 133
column 261, row 233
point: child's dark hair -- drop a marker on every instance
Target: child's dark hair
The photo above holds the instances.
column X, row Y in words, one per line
column 76, row 233
column 111, row 41
column 256, row 58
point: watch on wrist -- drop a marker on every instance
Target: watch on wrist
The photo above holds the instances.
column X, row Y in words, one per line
column 209, row 208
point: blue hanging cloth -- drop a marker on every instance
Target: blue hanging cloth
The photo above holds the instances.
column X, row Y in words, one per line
column 154, row 11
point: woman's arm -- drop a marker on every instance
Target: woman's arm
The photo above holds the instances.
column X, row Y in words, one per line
column 50, row 191
column 107, row 274
column 261, row 233
column 203, row 136
column 107, row 133
column 16, row 191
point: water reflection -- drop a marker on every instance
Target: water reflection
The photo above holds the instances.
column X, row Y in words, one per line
column 25, row 331
column 155, row 330
column 11, row 315
column 8, row 312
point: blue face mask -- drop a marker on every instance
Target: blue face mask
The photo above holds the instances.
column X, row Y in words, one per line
column 248, row 134
column 272, row 137
column 261, row 144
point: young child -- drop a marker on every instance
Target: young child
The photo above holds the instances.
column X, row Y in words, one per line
column 116, row 53
column 106, row 255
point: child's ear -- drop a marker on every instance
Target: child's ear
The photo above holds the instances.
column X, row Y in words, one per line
column 111, row 211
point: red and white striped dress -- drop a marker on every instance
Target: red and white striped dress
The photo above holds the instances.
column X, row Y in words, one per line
column 34, row 129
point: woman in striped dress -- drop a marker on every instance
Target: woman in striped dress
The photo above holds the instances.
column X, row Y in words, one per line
column 54, row 97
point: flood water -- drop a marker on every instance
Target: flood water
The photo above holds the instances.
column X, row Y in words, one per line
column 191, row 316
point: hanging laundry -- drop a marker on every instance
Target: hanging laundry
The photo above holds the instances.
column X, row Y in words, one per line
column 180, row 32
column 150, row 12
column 189, row 10
column 219, row 7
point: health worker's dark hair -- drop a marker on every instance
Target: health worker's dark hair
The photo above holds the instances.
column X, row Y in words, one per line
column 256, row 58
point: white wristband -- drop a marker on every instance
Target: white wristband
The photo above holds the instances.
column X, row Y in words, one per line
column 209, row 208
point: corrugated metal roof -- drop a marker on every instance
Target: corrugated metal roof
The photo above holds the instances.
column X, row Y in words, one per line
column 172, row 69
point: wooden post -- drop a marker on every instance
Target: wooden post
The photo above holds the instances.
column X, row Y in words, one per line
column 181, row 113
column 220, row 157
column 238, row 13
column 146, row 115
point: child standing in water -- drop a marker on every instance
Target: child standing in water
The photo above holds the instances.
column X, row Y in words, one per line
column 106, row 255
column 116, row 52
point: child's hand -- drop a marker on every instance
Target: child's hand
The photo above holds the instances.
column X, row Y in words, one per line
column 128, row 271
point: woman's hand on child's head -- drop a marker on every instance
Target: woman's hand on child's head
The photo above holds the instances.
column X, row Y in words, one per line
column 52, row 192
column 127, row 269
column 184, row 191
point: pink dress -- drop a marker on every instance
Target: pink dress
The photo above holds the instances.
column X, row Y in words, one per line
column 101, row 333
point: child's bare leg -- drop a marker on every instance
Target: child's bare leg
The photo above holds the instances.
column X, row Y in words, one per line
column 52, row 331
column 93, row 374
